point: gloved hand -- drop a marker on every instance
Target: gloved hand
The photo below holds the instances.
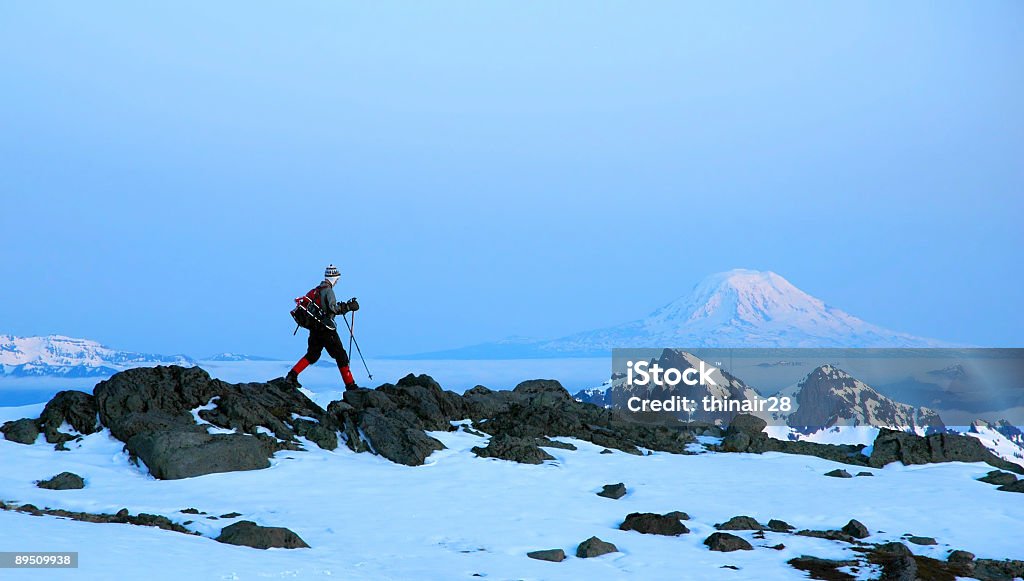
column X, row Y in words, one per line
column 343, row 308
column 352, row 304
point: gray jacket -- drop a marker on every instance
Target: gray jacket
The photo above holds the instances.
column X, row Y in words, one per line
column 330, row 303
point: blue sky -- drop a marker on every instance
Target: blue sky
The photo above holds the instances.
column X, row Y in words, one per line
column 172, row 176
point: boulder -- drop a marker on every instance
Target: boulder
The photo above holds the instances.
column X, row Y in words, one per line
column 650, row 523
column 175, row 454
column 23, row 431
column 737, row 442
column 249, row 534
column 594, row 547
column 960, row 557
column 76, row 408
column 839, row 473
column 999, row 478
column 63, row 481
column 740, row 523
column 392, row 436
column 750, row 425
column 922, row 540
column 855, row 529
column 553, row 555
column 865, row 473
column 896, row 446
column 513, row 448
column 613, row 491
column 726, row 543
column 902, row 568
column 779, row 526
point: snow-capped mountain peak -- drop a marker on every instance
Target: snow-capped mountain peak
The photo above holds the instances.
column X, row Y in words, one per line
column 59, row 355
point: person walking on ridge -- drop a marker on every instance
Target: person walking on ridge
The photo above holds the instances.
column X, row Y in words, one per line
column 325, row 335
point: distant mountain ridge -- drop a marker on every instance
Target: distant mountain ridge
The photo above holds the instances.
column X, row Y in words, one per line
column 60, row 356
column 738, row 308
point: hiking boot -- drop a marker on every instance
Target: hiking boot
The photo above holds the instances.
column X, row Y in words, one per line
column 293, row 377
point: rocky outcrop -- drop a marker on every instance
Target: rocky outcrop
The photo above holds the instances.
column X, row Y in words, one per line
column 650, row 523
column 151, row 410
column 63, row 481
column 745, row 434
column 250, row 534
column 893, row 446
column 998, row 477
column 75, row 408
column 740, row 523
column 516, row 449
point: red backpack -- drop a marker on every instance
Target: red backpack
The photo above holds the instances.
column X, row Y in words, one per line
column 309, row 313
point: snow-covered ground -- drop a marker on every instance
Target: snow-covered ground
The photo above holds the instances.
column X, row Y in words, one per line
column 460, row 515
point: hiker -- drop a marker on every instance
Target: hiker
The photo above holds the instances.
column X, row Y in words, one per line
column 323, row 334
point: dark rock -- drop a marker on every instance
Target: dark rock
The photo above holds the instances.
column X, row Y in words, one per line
column 855, row 529
column 1015, row 487
column 865, row 473
column 513, row 448
column 231, row 515
column 394, row 437
column 249, row 534
column 606, row 451
column 750, row 425
column 176, row 454
column 839, row 473
column 780, row 526
column 823, row 568
column 922, row 540
column 23, row 431
column 903, row 568
column 63, row 481
column 740, row 523
column 77, row 408
column 150, row 409
column 894, row 548
column 830, row 535
column 678, row 515
column 999, row 478
column 737, row 442
column 613, row 491
column 960, row 557
column 726, row 542
column 594, row 547
column 650, row 523
column 778, row 547
column 896, row 446
column 553, row 555
column 998, row 570
column 549, row 443
column 185, row 511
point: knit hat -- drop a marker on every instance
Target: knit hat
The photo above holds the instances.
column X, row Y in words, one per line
column 332, row 274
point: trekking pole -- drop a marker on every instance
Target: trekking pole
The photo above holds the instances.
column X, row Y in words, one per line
column 358, row 350
column 352, row 332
